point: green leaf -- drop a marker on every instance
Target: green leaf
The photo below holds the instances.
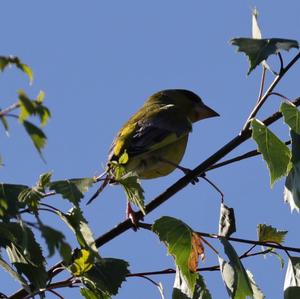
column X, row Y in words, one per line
column 25, row 253
column 14, row 274
column 27, row 106
column 257, row 293
column 258, row 50
column 292, row 182
column 291, row 116
column 234, row 274
column 72, row 189
column 181, row 290
column 7, row 60
column 83, row 262
column 279, row 257
column 54, row 239
column 9, row 204
column 178, row 238
column 43, row 113
column 26, row 69
column 44, row 180
column 106, row 275
column 276, row 154
column 30, row 107
column 268, row 233
column 4, row 62
column 37, row 136
column 79, row 226
column 93, row 294
column 133, row 189
column 292, row 279
column 32, row 196
column 4, row 123
column 227, row 221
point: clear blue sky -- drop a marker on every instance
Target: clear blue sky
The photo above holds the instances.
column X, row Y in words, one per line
column 97, row 62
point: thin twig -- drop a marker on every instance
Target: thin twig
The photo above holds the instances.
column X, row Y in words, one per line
column 201, row 269
column 279, row 95
column 247, row 155
column 262, row 84
column 7, row 110
column 56, row 294
column 269, row 90
column 248, row 251
column 281, row 62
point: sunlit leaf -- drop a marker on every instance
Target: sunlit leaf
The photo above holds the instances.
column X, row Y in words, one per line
column 227, row 221
column 292, row 279
column 181, row 290
column 36, row 134
column 257, row 293
column 79, row 226
column 83, row 261
column 234, row 274
column 27, row 106
column 44, row 180
column 26, row 69
column 291, row 116
column 276, row 154
column 8, row 60
column 256, row 32
column 258, row 50
column 268, row 233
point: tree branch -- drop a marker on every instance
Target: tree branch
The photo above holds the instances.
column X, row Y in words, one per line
column 269, row 90
column 9, row 109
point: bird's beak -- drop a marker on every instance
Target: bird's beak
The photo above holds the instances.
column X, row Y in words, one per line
column 204, row 111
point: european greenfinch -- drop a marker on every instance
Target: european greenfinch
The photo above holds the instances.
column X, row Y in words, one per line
column 155, row 137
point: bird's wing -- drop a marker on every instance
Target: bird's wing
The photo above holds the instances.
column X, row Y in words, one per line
column 159, row 127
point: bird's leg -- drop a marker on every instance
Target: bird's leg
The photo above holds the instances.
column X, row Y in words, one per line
column 183, row 169
column 130, row 214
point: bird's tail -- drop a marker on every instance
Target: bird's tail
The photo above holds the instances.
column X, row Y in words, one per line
column 105, row 182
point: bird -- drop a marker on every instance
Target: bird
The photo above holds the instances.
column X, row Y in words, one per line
column 155, row 138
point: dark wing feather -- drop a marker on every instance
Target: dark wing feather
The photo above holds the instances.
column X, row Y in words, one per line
column 153, row 131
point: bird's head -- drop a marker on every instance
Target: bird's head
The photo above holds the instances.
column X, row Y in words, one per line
column 187, row 101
